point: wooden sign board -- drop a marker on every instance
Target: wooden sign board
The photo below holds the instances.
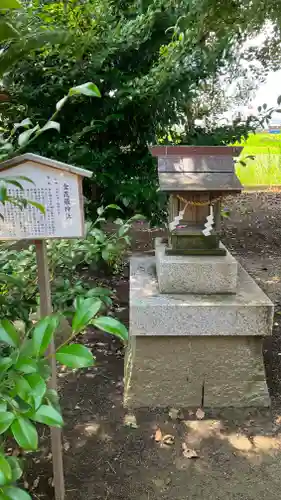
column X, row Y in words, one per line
column 56, row 186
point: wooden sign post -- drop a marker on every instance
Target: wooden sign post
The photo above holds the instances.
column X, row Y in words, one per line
column 58, row 187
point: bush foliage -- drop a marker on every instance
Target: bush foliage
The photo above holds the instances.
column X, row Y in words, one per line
column 149, row 59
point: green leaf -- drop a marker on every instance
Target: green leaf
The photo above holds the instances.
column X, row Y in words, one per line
column 44, row 368
column 85, row 311
column 24, row 123
column 24, row 137
column 5, row 471
column 8, row 333
column 137, row 217
column 3, row 406
column 38, row 388
column 25, row 433
column 89, row 89
column 15, row 468
column 14, row 493
column 7, row 30
column 113, row 326
column 75, row 356
column 43, row 333
column 5, row 364
column 3, row 191
column 22, row 388
column 105, row 254
column 26, row 179
column 7, row 278
column 100, row 292
column 50, row 125
column 52, row 397
column 14, row 182
column 6, row 419
column 112, row 205
column 61, row 103
column 26, row 349
column 8, row 147
column 10, row 4
column 48, row 415
column 35, row 204
column 26, row 365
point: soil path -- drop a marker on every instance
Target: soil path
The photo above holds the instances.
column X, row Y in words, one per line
column 239, row 452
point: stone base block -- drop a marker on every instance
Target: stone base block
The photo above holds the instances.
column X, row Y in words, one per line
column 249, row 312
column 192, row 274
column 187, row 372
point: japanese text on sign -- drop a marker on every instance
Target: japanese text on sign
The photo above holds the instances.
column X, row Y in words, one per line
column 57, row 191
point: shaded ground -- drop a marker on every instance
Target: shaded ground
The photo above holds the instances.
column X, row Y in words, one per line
column 239, row 452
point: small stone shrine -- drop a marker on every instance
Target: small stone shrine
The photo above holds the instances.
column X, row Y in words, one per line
column 197, row 319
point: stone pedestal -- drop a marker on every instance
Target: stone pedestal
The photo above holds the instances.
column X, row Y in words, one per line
column 188, row 350
column 190, row 274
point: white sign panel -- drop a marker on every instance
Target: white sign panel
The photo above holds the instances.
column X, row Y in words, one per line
column 57, row 190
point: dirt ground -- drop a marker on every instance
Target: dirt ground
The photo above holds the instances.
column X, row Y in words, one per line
column 239, row 452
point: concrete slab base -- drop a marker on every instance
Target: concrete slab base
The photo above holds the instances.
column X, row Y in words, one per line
column 248, row 312
column 188, row 350
column 192, row 274
column 184, row 372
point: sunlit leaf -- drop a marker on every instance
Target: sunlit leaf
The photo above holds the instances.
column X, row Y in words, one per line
column 61, row 103
column 113, row 326
column 43, row 333
column 86, row 310
column 38, row 388
column 10, row 4
column 89, row 89
column 48, row 415
column 24, row 123
column 75, row 356
column 50, row 125
column 24, row 137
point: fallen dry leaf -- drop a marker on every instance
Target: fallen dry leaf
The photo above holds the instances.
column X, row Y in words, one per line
column 175, row 414
column 66, row 446
column 35, row 483
column 188, row 452
column 200, row 414
column 168, row 439
column 278, row 420
column 130, row 421
column 158, row 435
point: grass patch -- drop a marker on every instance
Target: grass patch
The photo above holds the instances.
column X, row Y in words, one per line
column 265, row 169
